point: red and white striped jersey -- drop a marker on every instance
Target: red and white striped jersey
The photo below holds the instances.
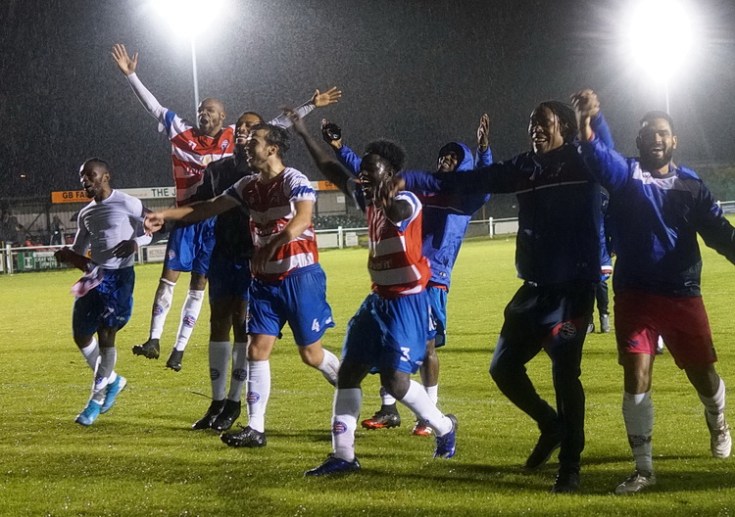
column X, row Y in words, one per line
column 191, row 152
column 396, row 264
column 271, row 206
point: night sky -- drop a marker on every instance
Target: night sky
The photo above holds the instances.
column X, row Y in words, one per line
column 418, row 72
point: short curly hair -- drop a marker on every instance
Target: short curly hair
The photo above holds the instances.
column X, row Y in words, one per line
column 389, row 151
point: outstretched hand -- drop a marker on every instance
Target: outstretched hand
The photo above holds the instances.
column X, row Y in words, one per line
column 125, row 63
column 483, row 132
column 153, row 222
column 331, row 96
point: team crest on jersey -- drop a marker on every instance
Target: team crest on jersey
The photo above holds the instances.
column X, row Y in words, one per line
column 339, row 427
column 225, row 144
column 567, row 330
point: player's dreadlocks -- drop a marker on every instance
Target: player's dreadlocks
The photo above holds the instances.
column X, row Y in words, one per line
column 566, row 116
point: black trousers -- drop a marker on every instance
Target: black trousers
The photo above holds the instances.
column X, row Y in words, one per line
column 553, row 318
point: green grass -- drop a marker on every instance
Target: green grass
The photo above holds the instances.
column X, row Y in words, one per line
column 142, row 459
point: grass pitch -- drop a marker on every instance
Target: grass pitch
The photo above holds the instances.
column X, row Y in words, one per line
column 142, row 458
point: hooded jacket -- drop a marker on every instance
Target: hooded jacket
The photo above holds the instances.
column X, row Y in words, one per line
column 446, row 214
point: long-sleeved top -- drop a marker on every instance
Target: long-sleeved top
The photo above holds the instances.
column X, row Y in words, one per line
column 559, row 212
column 192, row 151
column 655, row 221
column 446, row 214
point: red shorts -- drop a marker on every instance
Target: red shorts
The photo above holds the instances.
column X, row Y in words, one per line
column 641, row 317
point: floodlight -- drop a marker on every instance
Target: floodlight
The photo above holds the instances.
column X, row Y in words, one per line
column 189, row 19
column 660, row 38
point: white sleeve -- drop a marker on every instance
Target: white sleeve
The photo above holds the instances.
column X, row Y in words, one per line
column 82, row 238
column 137, row 214
column 283, row 121
column 150, row 103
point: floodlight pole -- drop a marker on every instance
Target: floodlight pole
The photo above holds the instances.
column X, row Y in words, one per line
column 196, row 83
column 666, row 96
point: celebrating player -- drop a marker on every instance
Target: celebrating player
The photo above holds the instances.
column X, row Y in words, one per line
column 657, row 208
column 190, row 246
column 110, row 227
column 288, row 282
column 388, row 332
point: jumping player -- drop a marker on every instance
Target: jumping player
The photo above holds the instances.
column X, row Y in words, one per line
column 189, row 247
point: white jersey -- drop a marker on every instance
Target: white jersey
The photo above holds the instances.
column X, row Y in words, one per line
column 104, row 225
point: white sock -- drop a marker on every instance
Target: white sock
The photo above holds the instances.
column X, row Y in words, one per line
column 259, row 390
column 108, row 358
column 386, row 398
column 161, row 306
column 239, row 370
column 219, row 361
column 419, row 402
column 715, row 407
column 91, row 353
column 346, row 411
column 638, row 417
column 189, row 314
column 329, row 367
column 433, row 393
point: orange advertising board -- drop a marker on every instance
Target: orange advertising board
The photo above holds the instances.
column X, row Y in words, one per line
column 69, row 196
column 324, row 185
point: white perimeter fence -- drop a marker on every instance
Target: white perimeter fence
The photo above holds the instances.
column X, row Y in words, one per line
column 41, row 258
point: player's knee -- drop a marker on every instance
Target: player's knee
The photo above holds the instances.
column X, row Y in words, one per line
column 312, row 355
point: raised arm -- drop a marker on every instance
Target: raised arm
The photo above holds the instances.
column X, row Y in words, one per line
column 127, row 66
column 484, row 155
column 332, row 134
column 327, row 164
column 318, row 100
column 607, row 165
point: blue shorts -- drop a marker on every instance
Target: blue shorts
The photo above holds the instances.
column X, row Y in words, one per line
column 299, row 299
column 389, row 334
column 190, row 247
column 438, row 306
column 228, row 278
column 110, row 304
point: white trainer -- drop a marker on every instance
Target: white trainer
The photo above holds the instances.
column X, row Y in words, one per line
column 720, row 441
column 636, row 482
